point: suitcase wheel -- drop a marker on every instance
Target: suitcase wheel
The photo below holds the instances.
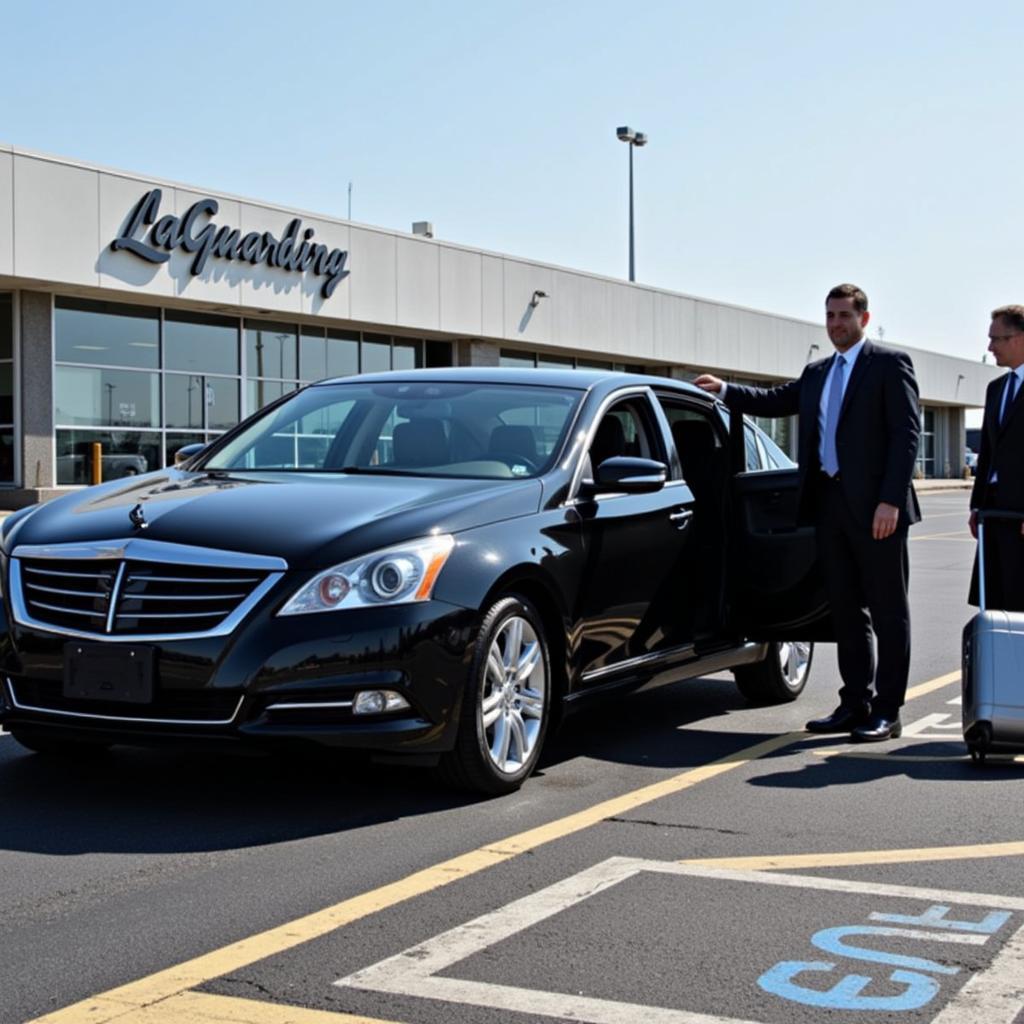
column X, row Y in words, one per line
column 977, row 755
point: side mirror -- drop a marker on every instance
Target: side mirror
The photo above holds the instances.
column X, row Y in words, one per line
column 183, row 454
column 624, row 474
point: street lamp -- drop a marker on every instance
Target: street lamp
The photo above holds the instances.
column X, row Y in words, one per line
column 626, row 134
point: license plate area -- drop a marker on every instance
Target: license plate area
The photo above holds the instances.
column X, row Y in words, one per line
column 109, row 672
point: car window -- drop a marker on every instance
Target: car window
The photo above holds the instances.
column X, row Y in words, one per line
column 752, row 458
column 425, row 428
column 698, row 443
column 625, row 429
column 776, row 457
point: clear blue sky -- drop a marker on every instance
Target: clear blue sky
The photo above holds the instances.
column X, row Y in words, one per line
column 792, row 144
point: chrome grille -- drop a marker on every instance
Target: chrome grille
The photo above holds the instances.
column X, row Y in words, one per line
column 137, row 588
column 178, row 598
column 72, row 594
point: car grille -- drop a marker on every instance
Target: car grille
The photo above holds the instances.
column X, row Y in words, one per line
column 185, row 706
column 150, row 598
column 137, row 588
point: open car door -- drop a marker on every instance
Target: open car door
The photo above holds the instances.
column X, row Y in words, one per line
column 776, row 588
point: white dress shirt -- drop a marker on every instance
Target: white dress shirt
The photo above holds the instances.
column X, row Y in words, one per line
column 850, row 355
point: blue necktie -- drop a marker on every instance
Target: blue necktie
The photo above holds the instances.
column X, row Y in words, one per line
column 830, row 460
column 1011, row 393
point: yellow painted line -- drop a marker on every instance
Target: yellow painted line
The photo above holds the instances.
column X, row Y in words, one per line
column 933, row 684
column 118, row 1002
column 115, row 1003
column 206, row 1008
column 783, row 862
column 881, row 755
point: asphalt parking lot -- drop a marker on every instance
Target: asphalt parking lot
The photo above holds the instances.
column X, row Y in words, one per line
column 679, row 858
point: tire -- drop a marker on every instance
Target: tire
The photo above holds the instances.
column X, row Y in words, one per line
column 506, row 706
column 781, row 677
column 57, row 746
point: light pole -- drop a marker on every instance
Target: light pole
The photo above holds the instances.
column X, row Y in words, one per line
column 633, row 138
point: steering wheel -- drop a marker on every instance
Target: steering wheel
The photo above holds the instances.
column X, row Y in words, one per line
column 511, row 460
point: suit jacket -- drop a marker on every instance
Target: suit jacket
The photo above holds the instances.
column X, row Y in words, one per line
column 1002, row 452
column 876, row 438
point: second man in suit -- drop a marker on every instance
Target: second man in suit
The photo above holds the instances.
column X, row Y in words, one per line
column 857, row 446
column 999, row 476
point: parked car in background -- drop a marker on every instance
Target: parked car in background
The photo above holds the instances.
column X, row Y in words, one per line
column 434, row 564
column 78, row 467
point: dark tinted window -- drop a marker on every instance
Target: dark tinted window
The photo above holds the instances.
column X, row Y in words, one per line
column 6, row 325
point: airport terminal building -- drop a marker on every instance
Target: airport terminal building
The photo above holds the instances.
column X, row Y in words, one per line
column 144, row 315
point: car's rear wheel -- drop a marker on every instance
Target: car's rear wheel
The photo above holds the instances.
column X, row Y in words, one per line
column 781, row 677
column 57, row 746
column 507, row 703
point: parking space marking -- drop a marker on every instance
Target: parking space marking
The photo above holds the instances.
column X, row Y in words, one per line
column 414, row 972
column 162, row 985
column 855, row 858
column 881, row 755
column 938, row 722
column 192, row 973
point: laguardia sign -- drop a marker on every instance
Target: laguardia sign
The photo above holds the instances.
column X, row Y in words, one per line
column 194, row 232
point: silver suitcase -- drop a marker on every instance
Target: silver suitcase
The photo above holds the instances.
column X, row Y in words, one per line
column 993, row 670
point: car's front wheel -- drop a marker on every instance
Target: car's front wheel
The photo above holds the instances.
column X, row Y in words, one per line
column 507, row 703
column 781, row 677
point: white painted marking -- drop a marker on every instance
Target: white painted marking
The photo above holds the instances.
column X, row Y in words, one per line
column 414, row 971
column 958, row 701
column 931, row 727
column 992, row 996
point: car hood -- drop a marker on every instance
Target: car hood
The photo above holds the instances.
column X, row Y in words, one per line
column 310, row 520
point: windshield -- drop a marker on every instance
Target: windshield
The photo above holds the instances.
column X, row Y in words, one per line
column 424, row 428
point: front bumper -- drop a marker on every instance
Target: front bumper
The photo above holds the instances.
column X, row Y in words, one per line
column 272, row 680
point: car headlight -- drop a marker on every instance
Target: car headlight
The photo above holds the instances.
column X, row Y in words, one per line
column 399, row 575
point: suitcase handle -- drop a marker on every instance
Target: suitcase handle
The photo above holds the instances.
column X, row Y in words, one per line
column 983, row 514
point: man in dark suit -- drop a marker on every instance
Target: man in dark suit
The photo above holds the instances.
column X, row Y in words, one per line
column 999, row 479
column 857, row 446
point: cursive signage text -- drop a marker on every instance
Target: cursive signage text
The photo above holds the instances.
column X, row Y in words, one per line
column 194, row 232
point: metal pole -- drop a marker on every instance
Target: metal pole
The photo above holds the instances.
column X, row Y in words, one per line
column 632, row 267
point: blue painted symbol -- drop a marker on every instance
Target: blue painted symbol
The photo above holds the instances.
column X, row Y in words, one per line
column 845, row 994
column 831, row 941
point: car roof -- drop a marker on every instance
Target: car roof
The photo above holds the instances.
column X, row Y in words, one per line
column 579, row 380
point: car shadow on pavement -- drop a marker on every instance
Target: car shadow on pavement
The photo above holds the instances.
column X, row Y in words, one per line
column 651, row 728
column 841, row 763
column 173, row 799
column 178, row 800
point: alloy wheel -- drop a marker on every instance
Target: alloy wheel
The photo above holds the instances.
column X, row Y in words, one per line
column 513, row 698
column 794, row 659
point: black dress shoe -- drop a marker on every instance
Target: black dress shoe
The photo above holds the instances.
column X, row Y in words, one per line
column 878, row 728
column 843, row 719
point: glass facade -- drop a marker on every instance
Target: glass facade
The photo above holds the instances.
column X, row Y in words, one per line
column 6, row 388
column 926, row 447
column 143, row 382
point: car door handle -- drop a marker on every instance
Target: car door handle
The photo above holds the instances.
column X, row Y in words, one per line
column 682, row 518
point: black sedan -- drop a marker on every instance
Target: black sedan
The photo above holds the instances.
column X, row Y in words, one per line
column 432, row 565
